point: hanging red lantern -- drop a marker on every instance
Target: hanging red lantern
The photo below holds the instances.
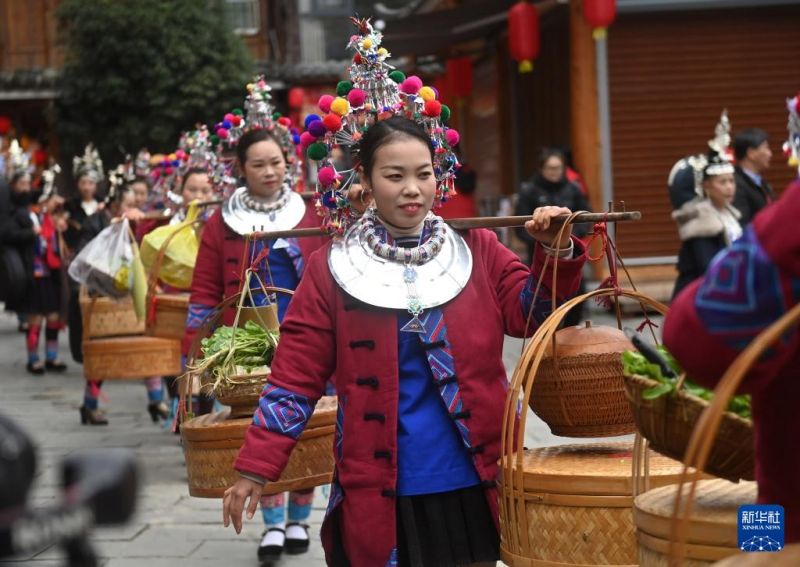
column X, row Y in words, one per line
column 599, row 14
column 296, row 97
column 523, row 35
column 5, row 125
column 459, row 77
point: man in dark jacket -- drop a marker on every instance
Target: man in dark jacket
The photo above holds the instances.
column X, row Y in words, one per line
column 753, row 154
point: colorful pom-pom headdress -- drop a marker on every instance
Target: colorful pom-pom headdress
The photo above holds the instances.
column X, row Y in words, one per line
column 374, row 92
column 258, row 114
column 89, row 164
column 791, row 148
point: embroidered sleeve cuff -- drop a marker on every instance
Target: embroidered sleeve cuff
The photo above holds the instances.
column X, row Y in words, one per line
column 254, row 477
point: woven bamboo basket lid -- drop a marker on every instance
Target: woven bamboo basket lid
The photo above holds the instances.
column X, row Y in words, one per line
column 789, row 556
column 591, row 470
column 713, row 519
column 589, row 339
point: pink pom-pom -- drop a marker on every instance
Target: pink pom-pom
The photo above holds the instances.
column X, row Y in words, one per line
column 452, row 137
column 411, row 85
column 306, row 139
column 325, row 103
column 326, row 176
column 356, row 97
column 180, row 154
column 222, row 133
column 229, row 117
column 168, row 170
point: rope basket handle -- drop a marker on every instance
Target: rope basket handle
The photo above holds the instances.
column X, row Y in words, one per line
column 205, row 329
column 512, row 501
column 705, row 431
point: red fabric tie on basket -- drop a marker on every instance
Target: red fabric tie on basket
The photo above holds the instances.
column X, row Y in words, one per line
column 600, row 230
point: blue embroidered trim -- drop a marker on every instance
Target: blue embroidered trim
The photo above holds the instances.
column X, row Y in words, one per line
column 393, row 561
column 283, row 411
column 544, row 302
column 196, row 314
column 336, row 496
column 440, row 360
column 339, row 435
column 296, row 256
column 743, row 293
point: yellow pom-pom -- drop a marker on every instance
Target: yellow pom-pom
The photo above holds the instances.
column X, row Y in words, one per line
column 340, row 106
column 427, row 94
column 794, row 161
column 367, row 43
column 172, row 157
column 382, row 52
column 250, row 87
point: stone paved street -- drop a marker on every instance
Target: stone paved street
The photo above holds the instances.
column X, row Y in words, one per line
column 170, row 528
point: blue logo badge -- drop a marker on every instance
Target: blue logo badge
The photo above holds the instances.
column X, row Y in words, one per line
column 761, row 527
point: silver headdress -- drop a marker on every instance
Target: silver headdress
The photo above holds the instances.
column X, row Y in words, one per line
column 791, row 148
column 18, row 161
column 49, row 181
column 718, row 160
column 89, row 164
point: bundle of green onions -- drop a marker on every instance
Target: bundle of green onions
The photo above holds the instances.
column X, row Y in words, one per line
column 232, row 354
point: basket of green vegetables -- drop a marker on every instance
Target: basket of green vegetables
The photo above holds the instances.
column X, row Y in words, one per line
column 667, row 406
column 235, row 364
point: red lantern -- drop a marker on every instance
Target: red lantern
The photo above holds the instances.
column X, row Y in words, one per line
column 5, row 125
column 599, row 14
column 459, row 77
column 523, row 35
column 296, row 97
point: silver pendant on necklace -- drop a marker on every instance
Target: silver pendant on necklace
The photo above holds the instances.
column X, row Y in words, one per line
column 415, row 325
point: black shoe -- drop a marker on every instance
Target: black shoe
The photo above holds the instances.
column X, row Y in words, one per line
column 158, row 410
column 92, row 417
column 297, row 546
column 35, row 368
column 55, row 366
column 270, row 553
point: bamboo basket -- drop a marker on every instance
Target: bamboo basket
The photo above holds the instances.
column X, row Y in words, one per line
column 109, row 317
column 579, row 389
column 789, row 556
column 713, row 528
column 705, row 433
column 577, row 503
column 243, row 397
column 667, row 423
column 520, row 538
column 212, row 442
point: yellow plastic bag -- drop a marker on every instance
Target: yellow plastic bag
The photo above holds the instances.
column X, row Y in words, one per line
column 181, row 247
column 139, row 287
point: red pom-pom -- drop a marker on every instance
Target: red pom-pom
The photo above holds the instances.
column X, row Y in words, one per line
column 357, row 59
column 452, row 137
column 332, row 122
column 411, row 85
column 325, row 103
column 433, row 108
column 222, row 133
column 237, row 121
column 306, row 139
column 285, row 121
column 168, row 170
column 356, row 97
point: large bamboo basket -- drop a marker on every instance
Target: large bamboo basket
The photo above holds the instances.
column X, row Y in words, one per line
column 579, row 390
column 577, row 504
column 705, row 433
column 667, row 423
column 242, row 397
column 519, row 545
column 713, row 529
column 789, row 556
column 109, row 317
column 212, row 442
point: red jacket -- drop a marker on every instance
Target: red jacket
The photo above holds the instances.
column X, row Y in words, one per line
column 327, row 334
column 218, row 271
column 748, row 287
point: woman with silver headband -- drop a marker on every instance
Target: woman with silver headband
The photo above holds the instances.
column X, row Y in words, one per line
column 709, row 222
column 267, row 201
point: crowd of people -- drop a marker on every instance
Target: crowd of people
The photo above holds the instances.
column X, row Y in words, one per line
column 417, row 441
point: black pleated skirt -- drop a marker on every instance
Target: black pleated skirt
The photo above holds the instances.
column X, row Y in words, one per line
column 44, row 296
column 446, row 529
